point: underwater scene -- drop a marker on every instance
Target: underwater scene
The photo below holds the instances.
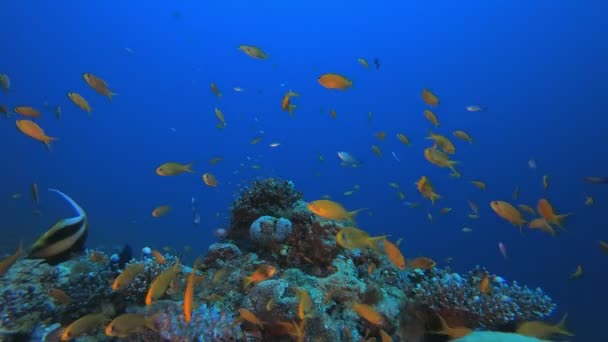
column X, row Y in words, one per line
column 416, row 171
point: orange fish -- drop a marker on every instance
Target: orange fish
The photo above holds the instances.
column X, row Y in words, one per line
column 262, row 273
column 335, row 81
column 161, row 211
column 30, row 112
column 453, row 333
column 159, row 285
column 368, row 313
column 578, row 273
column 332, row 210
column 542, row 224
column 59, row 296
column 429, row 97
column 431, row 117
column 479, row 184
column 246, row 315
column 98, row 85
column 215, row 90
column 422, row 263
column 159, row 257
column 425, row 187
column 403, row 139
column 443, row 142
column 385, row 337
column 286, row 104
column 129, row 324
column 439, row 158
column 545, row 209
column 463, row 136
column 543, row 330
column 83, row 325
column 394, row 254
column 526, row 208
column 381, row 135
column 32, row 130
column 377, row 151
column 80, row 101
column 191, row 282
column 484, row 285
column 508, row 212
column 294, row 329
column 209, row 179
column 305, row 306
column 127, row 276
column 7, row 262
column 173, row 169
column 353, row 238
column 253, row 51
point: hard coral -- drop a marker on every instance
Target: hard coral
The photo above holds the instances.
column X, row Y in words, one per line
column 460, row 301
column 267, row 230
column 24, row 301
column 208, row 324
column 270, row 196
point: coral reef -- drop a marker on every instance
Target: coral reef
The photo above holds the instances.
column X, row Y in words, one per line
column 270, row 196
column 271, row 226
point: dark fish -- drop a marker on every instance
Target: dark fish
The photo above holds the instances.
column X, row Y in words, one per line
column 64, row 239
column 596, row 180
column 35, row 196
column 377, row 63
column 3, row 111
column 125, row 255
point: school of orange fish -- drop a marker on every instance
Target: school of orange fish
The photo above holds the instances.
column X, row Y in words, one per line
column 545, row 218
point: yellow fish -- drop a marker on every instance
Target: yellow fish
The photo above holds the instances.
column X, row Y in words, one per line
column 332, row 210
column 353, row 238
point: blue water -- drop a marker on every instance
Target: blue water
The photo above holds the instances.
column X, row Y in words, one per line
column 539, row 67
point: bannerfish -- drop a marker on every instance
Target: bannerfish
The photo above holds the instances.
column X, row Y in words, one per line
column 66, row 237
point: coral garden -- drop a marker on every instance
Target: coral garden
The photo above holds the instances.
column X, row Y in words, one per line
column 271, row 230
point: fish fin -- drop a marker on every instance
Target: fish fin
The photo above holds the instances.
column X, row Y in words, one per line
column 111, row 94
column 188, row 168
column 247, row 281
column 561, row 326
column 150, row 322
column 351, row 214
column 373, row 242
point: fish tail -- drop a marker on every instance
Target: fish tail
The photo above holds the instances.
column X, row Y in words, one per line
column 559, row 218
column 111, row 94
column 373, row 242
column 150, row 322
column 434, row 197
column 188, row 168
column 351, row 214
column 561, row 326
column 47, row 141
column 247, row 281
